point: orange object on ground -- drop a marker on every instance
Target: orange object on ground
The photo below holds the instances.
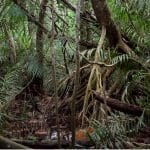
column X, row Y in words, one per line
column 81, row 134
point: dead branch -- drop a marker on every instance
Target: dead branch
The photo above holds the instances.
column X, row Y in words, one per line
column 88, row 44
column 121, row 106
column 101, row 64
column 8, row 144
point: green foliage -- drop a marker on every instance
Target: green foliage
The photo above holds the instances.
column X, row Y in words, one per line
column 133, row 20
column 137, row 89
column 120, row 59
column 32, row 66
column 109, row 135
column 11, row 85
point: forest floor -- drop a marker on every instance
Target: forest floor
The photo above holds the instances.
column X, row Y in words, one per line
column 36, row 126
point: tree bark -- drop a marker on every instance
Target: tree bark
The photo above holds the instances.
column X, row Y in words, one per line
column 38, row 80
column 121, row 106
column 53, row 58
column 84, row 30
column 77, row 74
column 32, row 18
column 88, row 44
column 86, row 16
column 103, row 16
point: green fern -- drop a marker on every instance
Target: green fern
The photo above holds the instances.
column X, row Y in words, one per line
column 108, row 135
column 10, row 87
column 120, row 59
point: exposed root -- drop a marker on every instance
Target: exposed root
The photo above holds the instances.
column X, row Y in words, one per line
column 95, row 77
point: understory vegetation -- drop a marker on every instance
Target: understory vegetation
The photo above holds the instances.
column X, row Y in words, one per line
column 75, row 73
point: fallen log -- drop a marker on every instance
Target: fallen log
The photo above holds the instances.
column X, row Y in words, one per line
column 42, row 145
column 6, row 143
column 52, row 144
column 141, row 145
column 121, row 106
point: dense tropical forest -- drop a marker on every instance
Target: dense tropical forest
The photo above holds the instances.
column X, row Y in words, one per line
column 74, row 74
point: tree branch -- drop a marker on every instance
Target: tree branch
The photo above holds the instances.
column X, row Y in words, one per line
column 32, row 18
column 8, row 144
column 84, row 16
column 101, row 64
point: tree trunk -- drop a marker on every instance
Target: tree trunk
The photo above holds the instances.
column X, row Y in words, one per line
column 103, row 16
column 53, row 59
column 84, row 29
column 38, row 80
column 77, row 74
